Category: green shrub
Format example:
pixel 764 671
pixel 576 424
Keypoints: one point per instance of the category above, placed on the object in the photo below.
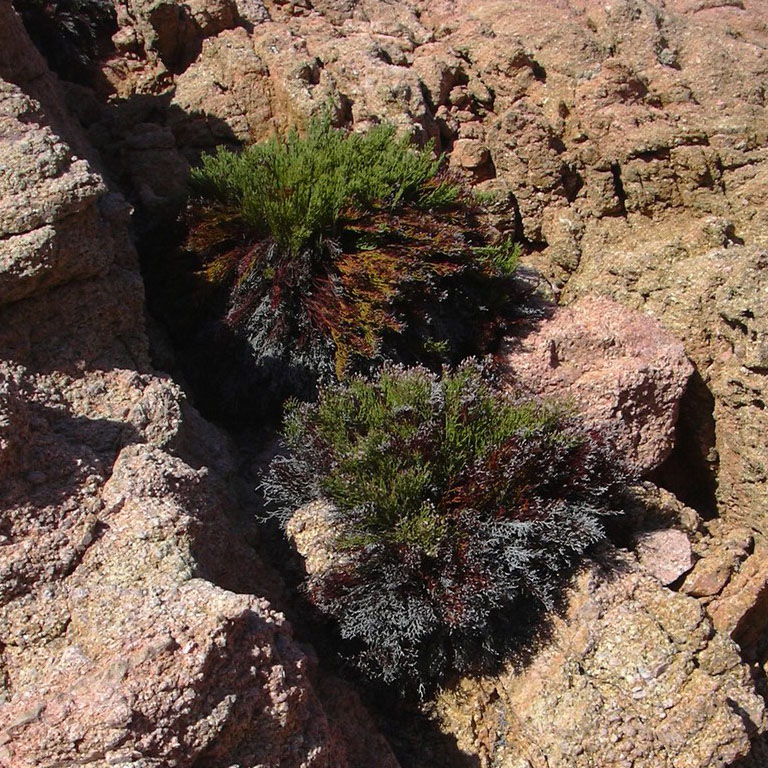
pixel 297 188
pixel 337 251
pixel 454 507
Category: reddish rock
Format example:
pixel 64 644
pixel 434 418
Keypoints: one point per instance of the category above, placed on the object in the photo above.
pixel 709 576
pixel 470 154
pixel 134 621
pixel 741 610
pixel 667 555
pixel 633 675
pixel 620 369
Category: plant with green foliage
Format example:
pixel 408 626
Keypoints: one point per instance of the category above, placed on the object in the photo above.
pixel 455 508
pixel 298 188
pixel 331 252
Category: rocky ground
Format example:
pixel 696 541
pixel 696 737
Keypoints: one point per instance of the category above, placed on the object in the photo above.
pixel 623 142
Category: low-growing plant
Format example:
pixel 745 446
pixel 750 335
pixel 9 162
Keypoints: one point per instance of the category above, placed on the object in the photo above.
pixel 297 188
pixel 454 506
pixel 336 251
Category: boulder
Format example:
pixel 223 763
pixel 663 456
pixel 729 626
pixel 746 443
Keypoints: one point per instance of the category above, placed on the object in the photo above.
pixel 618 368
pixel 666 554
pixel 632 674
pixel 715 303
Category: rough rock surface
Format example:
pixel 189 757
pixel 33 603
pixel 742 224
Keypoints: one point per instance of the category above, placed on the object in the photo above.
pixel 621 370
pixel 127 631
pixel 716 303
pixel 633 675
pixel 666 554
pixel 629 674
pixel 623 141
pixel 742 608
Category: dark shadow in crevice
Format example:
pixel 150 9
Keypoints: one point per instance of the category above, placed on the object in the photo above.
pixel 72 35
pixel 618 186
pixel 572 182
pixel 690 471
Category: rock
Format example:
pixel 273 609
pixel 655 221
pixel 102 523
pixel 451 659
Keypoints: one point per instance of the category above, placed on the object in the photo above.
pixel 666 555
pixel 135 623
pixel 470 155
pixel 649 508
pixel 439 68
pixel 312 532
pixel 143 632
pixel 14 424
pixel 242 104
pixel 714 303
pixel 721 553
pixel 633 674
pixel 358 741
pixel 169 30
pixel 620 369
pixel 252 11
pixel 213 16
pixel 629 142
pixel 741 611
pixel 709 576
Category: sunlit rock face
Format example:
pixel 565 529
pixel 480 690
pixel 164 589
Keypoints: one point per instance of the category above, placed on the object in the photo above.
pixel 131 623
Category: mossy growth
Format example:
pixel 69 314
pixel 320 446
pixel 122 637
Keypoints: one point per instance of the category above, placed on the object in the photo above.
pixel 331 252
pixel 455 509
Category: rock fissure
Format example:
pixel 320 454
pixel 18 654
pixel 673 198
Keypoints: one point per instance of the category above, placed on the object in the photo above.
pixel 582 142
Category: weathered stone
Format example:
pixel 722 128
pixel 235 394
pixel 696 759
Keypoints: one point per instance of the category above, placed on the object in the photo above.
pixel 620 369
pixel 312 532
pixel 715 303
pixel 741 610
pixel 650 507
pixel 709 575
pixel 168 30
pixel 127 624
pixel 242 104
pixel 213 16
pixel 629 141
pixel 666 555
pixel 470 154
pixel 613 686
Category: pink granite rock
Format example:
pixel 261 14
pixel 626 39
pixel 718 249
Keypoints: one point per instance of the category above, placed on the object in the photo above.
pixel 667 554
pixel 619 368
pixel 134 621
pixel 741 610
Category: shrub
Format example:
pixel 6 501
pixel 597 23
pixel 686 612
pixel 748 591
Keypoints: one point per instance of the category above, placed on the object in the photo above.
pixel 297 188
pixel 455 508
pixel 337 251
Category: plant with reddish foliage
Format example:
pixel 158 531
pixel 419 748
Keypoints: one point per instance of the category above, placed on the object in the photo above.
pixel 332 252
pixel 455 508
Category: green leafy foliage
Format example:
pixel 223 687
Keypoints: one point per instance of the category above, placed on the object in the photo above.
pixel 504 256
pixel 298 187
pixel 454 508
pixel 331 253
